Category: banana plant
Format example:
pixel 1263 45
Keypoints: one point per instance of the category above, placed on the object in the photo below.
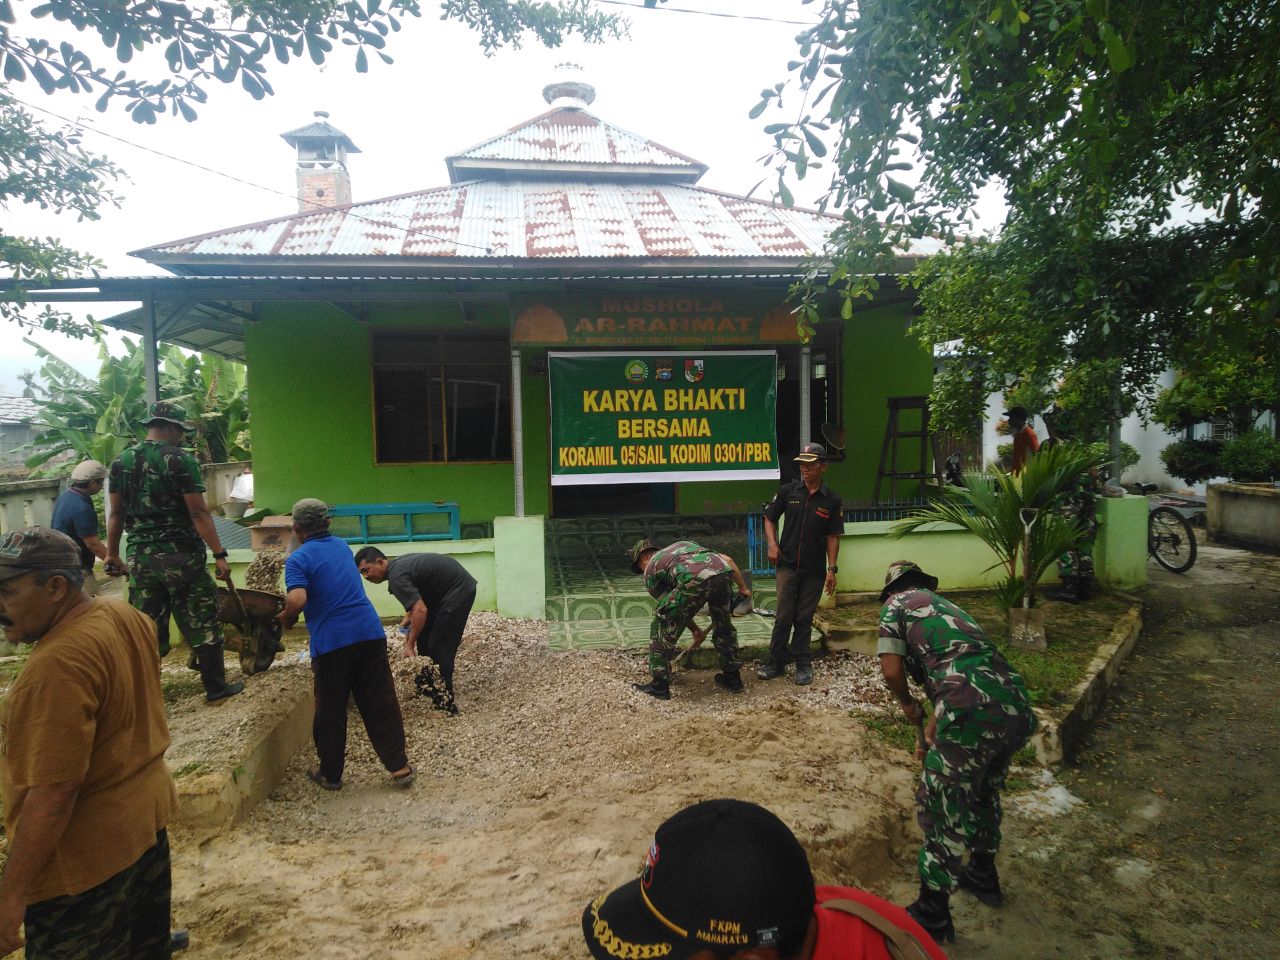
pixel 82 417
pixel 988 505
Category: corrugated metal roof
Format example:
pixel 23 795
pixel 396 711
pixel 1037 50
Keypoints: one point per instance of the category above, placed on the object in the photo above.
pixel 17 409
pixel 534 219
pixel 572 135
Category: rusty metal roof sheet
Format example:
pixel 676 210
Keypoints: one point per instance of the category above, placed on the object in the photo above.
pixel 530 219
pixel 571 140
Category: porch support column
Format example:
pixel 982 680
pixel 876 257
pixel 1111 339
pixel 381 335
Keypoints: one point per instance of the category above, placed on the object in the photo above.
pixel 517 431
pixel 152 372
pixel 805 374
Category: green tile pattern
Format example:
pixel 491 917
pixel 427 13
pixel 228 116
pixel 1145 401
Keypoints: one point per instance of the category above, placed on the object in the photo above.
pixel 594 601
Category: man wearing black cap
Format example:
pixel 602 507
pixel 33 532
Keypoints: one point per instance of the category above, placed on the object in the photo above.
pixel 157 494
pixel 805 556
pixel 727 879
pixel 981 717
pixel 87 795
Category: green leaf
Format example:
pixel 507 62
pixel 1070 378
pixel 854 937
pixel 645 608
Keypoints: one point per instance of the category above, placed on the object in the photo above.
pixel 784 194
pixel 900 191
pixel 758 109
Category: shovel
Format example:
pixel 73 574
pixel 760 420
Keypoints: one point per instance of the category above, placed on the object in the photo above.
pixel 1026 625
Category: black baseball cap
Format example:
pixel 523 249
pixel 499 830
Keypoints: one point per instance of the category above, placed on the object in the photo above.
pixel 723 875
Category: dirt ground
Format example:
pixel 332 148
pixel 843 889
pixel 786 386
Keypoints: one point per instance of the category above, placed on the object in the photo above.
pixel 547 787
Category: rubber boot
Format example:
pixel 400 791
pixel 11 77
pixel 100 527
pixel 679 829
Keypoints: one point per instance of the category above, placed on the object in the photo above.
pixel 1085 586
pixel 1069 592
pixel 213 674
pixel 981 879
pixel 658 687
pixel 730 680
pixel 932 910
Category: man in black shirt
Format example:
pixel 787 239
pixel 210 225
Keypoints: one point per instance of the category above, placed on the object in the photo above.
pixel 437 593
pixel 805 556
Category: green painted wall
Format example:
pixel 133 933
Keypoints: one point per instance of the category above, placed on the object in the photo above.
pixel 956 557
pixel 311 400
pixel 312 412
pixel 881 358
pixel 1120 554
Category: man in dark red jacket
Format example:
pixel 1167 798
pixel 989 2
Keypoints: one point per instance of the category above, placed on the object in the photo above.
pixel 727 880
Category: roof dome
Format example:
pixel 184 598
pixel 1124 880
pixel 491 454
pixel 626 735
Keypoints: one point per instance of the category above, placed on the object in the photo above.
pixel 567 89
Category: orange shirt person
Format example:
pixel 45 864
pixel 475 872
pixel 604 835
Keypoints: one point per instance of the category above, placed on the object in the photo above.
pixel 1025 441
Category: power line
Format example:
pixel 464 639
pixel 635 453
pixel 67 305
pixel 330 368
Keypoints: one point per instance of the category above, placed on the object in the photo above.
pixel 248 183
pixel 708 13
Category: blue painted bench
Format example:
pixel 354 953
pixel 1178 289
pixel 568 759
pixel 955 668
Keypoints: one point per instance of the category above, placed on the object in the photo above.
pixel 398 521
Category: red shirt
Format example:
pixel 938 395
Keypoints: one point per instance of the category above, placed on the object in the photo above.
pixel 1025 443
pixel 842 936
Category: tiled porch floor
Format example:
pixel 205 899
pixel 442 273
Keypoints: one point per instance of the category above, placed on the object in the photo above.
pixel 595 601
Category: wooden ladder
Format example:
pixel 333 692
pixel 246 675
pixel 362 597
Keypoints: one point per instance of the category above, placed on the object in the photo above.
pixel 893 432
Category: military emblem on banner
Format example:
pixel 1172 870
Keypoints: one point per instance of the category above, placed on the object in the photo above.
pixel 664 370
pixel 693 371
pixel 637 371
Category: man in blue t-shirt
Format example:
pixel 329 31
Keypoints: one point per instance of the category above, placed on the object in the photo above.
pixel 348 649
pixel 74 515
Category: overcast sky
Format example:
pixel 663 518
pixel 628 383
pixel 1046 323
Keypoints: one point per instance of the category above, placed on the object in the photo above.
pixel 684 80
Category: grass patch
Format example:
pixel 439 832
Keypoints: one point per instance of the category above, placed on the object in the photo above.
pixel 178 687
pixel 188 769
pixel 1074 632
pixel 894 729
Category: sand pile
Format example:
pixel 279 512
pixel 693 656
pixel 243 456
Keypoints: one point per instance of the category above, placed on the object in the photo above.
pixel 544 790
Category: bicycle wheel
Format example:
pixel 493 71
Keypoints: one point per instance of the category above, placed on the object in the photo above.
pixel 1171 540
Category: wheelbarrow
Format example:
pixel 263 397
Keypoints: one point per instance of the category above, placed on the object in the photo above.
pixel 253 614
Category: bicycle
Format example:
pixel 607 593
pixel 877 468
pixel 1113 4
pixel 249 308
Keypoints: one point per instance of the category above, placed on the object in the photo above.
pixel 1170 538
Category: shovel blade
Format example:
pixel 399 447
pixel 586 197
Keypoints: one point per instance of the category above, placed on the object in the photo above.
pixel 1026 629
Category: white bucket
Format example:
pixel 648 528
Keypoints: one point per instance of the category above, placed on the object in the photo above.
pixel 234 509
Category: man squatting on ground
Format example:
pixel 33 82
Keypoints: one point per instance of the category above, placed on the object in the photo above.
pixel 437 594
pixel 981 717
pixel 74 515
pixel 813 520
pixel 727 879
pixel 348 649
pixel 86 792
pixel 684 577
pixel 157 495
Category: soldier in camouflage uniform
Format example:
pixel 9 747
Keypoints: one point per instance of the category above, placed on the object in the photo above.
pixel 682 578
pixel 156 493
pixel 981 717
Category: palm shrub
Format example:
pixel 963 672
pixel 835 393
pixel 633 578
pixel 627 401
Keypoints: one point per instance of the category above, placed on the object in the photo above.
pixel 989 506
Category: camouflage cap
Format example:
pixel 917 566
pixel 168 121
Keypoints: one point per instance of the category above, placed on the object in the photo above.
pixel 36 548
pixel 310 512
pixel 905 568
pixel 168 412
pixel 88 471
pixel 637 551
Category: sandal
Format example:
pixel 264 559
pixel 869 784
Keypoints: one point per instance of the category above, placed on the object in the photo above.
pixel 316 777
pixel 403 780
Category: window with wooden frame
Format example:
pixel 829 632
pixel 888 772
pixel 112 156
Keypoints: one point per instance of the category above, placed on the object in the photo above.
pixel 441 396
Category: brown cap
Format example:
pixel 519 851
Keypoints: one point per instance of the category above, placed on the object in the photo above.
pixel 36 548
pixel 310 512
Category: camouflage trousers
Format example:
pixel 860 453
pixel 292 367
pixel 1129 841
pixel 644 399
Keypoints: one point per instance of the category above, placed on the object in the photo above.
pixel 1077 562
pixel 716 593
pixel 123 918
pixel 958 798
pixel 176 584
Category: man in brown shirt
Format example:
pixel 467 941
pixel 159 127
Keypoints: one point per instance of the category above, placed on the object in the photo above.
pixel 85 789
